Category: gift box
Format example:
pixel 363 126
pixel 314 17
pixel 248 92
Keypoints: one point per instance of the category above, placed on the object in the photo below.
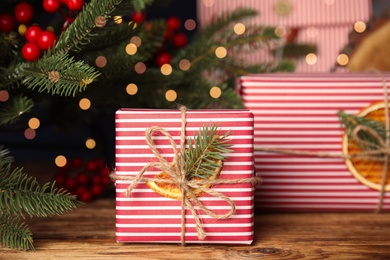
pixel 298 113
pixel 325 23
pixel 146 216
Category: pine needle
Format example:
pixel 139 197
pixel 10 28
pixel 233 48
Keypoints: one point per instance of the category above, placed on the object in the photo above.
pixel 204 150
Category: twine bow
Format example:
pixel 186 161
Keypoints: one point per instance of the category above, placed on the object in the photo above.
pixel 382 148
pixel 178 177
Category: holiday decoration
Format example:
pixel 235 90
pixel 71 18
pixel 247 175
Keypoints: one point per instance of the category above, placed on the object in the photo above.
pixel 87 180
pixel 22 196
pixel 155 148
pixel 323 23
pixel 301 151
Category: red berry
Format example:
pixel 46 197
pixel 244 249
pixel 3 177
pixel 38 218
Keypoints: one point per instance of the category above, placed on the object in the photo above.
pixel 91 166
pixel 97 190
pixel 75 5
pixel 97 179
pixel 7 23
pixel 100 163
pixel 138 17
pixel 23 12
pixel 31 51
pixel 71 183
pixel 106 180
pixel 32 33
pixel 163 58
pixel 180 40
pixel 82 178
pixel 104 172
pixel 51 6
pixel 77 162
pixel 60 180
pixel 173 23
pixel 85 196
pixel 46 40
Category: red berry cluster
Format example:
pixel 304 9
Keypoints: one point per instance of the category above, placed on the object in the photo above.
pixel 86 179
pixel 52 6
pixel 37 40
pixel 23 13
pixel 173 38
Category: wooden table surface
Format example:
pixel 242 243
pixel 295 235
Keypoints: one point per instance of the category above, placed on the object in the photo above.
pixel 89 233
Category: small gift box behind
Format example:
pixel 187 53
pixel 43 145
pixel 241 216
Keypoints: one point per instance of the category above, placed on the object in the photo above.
pixel 299 113
pixel 145 216
pixel 325 23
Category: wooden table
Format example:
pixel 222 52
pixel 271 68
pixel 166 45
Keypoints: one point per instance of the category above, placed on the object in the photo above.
pixel 89 233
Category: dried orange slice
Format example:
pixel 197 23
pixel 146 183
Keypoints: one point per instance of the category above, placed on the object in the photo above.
pixel 171 190
pixel 369 172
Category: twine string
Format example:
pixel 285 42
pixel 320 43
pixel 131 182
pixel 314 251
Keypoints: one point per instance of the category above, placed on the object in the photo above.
pixel 176 171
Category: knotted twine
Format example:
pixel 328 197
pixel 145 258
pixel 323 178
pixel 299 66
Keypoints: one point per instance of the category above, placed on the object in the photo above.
pixel 178 177
pixel 381 149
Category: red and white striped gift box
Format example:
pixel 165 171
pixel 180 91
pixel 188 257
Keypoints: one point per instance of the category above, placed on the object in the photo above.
pixel 325 23
pixel 299 112
pixel 145 216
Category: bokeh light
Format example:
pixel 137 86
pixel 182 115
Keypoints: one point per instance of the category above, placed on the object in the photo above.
pixel 360 26
pixel 311 59
pixel 140 67
pixel 29 133
pixel 90 143
pixel 85 103
pixel 239 28
pixel 34 123
pixel 171 95
pixel 342 59
pixel 166 69
pixel 131 89
pixel 215 92
pixel 131 49
pixel 60 161
pixel 4 95
pixel 184 64
pixel 221 52
pixel 190 24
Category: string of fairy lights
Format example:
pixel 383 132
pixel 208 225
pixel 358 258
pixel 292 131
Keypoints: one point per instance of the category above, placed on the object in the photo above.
pixel 166 69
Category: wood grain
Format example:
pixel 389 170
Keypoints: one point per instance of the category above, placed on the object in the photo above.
pixel 89 233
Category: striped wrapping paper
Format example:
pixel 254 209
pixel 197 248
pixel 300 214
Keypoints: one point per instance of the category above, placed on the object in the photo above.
pixel 299 112
pixel 145 216
pixel 325 23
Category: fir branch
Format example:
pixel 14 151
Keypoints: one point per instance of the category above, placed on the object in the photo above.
pixel 369 141
pixel 4 157
pixel 69 76
pixel 78 35
pixel 11 111
pixel 14 233
pixel 22 194
pixel 204 151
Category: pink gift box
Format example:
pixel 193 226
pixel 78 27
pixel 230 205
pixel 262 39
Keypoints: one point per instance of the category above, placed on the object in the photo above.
pixel 299 112
pixel 145 216
pixel 325 23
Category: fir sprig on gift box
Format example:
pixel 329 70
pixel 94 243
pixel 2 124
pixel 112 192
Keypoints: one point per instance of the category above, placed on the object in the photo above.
pixel 21 195
pixel 206 152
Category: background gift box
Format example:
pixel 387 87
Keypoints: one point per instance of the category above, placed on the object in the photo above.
pixel 299 112
pixel 325 23
pixel 145 216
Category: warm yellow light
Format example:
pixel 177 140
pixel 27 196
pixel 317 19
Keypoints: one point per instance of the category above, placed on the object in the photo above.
pixel 166 69
pixel 360 26
pixel 311 59
pixel 190 24
pixel 136 40
pixel 29 133
pixel 131 49
pixel 50 28
pixel 342 59
pixel 85 103
pixel 215 92
pixel 221 52
pixel 131 89
pixel 280 31
pixel 22 29
pixel 171 95
pixel 184 64
pixel 34 123
pixel 140 68
pixel 90 143
pixel 60 161
pixel 239 28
